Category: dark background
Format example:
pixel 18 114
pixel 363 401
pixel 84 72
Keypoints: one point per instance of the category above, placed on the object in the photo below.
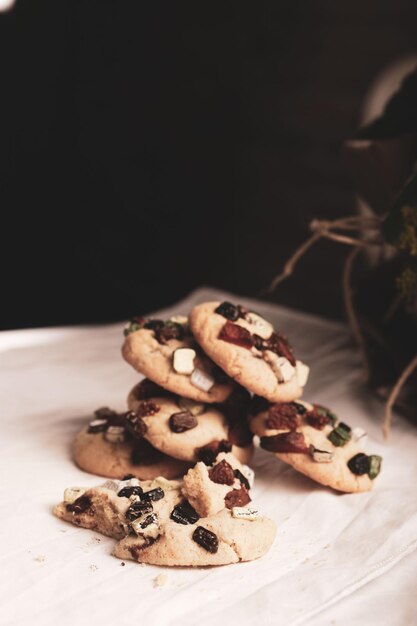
pixel 148 148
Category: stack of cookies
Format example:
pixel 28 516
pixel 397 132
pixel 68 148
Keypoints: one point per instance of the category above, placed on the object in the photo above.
pixel 213 381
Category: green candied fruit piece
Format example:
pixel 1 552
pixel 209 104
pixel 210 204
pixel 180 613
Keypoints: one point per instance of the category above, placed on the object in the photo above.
pixel 132 328
pixel 374 466
pixel 321 410
pixel 340 435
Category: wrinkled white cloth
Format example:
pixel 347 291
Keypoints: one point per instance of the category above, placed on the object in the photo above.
pixel 328 545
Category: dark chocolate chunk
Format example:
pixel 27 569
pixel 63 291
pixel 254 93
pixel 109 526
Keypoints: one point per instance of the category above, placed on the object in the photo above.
pixel 182 421
pixel 359 464
pixel 104 413
pixel 243 480
pixel 206 539
pixel 150 519
pixel 127 492
pixel 228 310
pixel 222 473
pixel 137 509
pixel 153 324
pixel 153 494
pixel 170 330
pixel 301 409
pixel 184 513
pixel 80 505
pixel 237 497
pixel 135 425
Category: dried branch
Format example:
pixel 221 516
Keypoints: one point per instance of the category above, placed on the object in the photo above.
pixel 395 391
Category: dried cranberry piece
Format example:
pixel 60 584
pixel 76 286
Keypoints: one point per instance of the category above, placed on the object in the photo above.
pixel 208 453
pixel 147 409
pixel 182 421
pixel 258 405
pixel 148 389
pixel 228 310
pixel 279 344
pixel 285 442
pixel 135 425
pixel 283 416
pixel 80 505
pixel 241 478
pixel 237 497
pixel 316 419
pixel 239 434
pixel 232 333
pixel 184 513
pixel 222 473
pixel 137 509
pixel 206 539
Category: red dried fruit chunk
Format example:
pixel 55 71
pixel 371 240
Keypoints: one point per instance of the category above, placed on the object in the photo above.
pixel 279 344
pixel 146 409
pixel 316 419
pixel 208 453
pixel 222 473
pixel 237 335
pixel 283 416
pixel 148 389
pixel 237 497
pixel 285 442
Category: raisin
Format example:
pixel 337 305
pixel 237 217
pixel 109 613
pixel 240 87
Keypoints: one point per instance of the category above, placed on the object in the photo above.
pixel 80 505
pixel 170 330
pixel 285 442
pixel 359 464
pixel 278 343
pixel 137 509
pixel 208 453
pixel 153 494
pixel 228 310
pixel 241 478
pixel 239 434
pixel 146 409
pixel 127 492
pixel 222 473
pixel 282 416
pixel 237 497
pixel 182 421
pixel 258 405
pixel 258 342
pixel 135 424
pixel 148 389
pixel 206 539
pixel 184 513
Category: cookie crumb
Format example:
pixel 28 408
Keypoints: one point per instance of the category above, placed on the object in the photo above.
pixel 93 568
pixel 122 564
pixel 41 558
pixel 160 580
pixel 327 546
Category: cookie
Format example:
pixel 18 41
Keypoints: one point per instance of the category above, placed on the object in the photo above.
pixel 249 350
pixel 181 428
pixel 106 448
pixel 223 483
pixel 167 353
pixel 154 524
pixel 313 441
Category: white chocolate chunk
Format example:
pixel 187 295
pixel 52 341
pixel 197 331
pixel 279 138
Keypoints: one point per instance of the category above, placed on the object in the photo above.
pixel 259 326
pixel 201 380
pixel 115 434
pixel 321 456
pixel 72 493
pixel 359 434
pixel 244 512
pixel 302 370
pixel 179 319
pixel 183 360
pixel 281 366
pixel 165 484
pixel 98 422
pixel 146 525
pixel 249 474
pixel 130 482
pixel 195 408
